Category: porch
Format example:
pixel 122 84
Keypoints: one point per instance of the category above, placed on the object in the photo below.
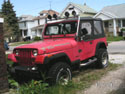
pixel 37 31
pixel 113 27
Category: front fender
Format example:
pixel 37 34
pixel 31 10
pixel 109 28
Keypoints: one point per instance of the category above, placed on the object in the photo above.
pixel 12 58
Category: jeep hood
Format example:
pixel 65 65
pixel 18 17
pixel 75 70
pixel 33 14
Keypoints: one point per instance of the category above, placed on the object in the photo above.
pixel 49 46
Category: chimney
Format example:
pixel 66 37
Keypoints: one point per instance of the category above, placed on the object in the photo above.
pixel 84 4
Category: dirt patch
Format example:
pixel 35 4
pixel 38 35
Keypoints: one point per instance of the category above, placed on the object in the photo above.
pixel 117 58
pixel 111 82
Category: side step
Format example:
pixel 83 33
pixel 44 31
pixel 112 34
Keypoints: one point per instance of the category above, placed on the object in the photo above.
pixel 89 62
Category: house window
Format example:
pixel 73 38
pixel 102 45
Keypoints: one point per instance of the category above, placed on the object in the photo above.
pixel 38 22
pixel 106 24
pixel 123 21
pixel 41 14
pixel 25 32
pixel 119 23
pixel 24 24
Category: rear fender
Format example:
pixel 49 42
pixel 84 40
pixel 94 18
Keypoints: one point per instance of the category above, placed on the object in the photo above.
pixel 100 45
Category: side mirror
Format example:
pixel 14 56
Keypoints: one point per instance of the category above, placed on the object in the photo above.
pixel 84 32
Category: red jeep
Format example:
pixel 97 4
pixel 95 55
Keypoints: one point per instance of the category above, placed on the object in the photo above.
pixel 68 44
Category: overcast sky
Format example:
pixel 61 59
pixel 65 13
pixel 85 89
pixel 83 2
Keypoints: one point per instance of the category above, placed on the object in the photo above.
pixel 33 7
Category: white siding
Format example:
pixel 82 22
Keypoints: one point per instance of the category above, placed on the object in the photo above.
pixel 42 21
pixel 1 20
pixel 30 25
pixel 35 23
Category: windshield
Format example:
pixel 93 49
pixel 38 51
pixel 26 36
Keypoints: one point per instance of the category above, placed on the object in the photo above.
pixel 61 28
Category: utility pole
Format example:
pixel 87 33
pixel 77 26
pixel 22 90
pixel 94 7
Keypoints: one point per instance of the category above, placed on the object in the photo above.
pixel 3 67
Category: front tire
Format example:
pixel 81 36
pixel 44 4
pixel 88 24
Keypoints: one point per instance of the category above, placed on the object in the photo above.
pixel 102 58
pixel 60 73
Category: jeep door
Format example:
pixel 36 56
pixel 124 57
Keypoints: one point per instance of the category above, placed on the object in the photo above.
pixel 86 43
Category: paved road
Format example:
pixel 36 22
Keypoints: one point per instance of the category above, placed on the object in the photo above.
pixel 10 49
pixel 116 47
pixel 116 52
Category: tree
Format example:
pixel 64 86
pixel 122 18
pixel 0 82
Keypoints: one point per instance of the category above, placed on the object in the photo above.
pixel 3 66
pixel 11 27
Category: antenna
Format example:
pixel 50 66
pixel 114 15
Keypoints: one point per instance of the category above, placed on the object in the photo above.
pixel 50 2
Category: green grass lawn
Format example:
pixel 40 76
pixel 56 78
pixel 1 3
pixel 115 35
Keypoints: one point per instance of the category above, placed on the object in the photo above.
pixel 22 42
pixel 114 38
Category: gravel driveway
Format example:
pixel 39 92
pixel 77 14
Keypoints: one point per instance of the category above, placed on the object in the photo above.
pixel 111 82
pixel 116 52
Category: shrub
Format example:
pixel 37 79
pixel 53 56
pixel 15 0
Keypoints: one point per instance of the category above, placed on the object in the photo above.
pixel 38 87
pixel 34 87
pixel 13 83
pixel 37 38
pixel 123 29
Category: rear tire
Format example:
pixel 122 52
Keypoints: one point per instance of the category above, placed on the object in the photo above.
pixel 60 73
pixel 102 58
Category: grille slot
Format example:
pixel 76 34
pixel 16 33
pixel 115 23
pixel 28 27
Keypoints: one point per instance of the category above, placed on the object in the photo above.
pixel 24 57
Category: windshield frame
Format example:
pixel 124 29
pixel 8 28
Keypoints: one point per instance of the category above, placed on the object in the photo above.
pixel 59 35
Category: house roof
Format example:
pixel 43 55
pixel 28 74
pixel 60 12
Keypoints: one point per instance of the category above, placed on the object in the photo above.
pixel 26 18
pixel 115 11
pixel 50 12
pixel 39 17
pixel 38 27
pixel 84 8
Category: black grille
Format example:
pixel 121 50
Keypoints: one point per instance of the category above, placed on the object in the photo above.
pixel 25 57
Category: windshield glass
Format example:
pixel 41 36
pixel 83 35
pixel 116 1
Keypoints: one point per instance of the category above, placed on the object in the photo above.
pixel 61 28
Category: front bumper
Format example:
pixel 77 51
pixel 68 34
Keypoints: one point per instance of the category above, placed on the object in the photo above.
pixel 25 71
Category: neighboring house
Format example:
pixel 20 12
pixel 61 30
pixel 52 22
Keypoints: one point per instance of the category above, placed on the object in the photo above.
pixel 113 18
pixel 26 22
pixel 38 26
pixel 40 21
pixel 82 10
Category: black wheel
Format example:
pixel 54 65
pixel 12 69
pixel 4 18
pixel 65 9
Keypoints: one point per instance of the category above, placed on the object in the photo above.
pixel 60 73
pixel 102 58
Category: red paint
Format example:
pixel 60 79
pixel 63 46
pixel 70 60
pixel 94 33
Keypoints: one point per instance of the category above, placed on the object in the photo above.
pixel 12 58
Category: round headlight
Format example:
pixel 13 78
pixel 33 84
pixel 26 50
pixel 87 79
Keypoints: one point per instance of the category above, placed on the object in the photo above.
pixel 17 52
pixel 35 52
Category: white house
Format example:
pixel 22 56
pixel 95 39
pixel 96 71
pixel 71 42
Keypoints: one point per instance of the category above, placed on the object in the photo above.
pixel 31 26
pixel 113 18
pixel 82 10
pixel 26 22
